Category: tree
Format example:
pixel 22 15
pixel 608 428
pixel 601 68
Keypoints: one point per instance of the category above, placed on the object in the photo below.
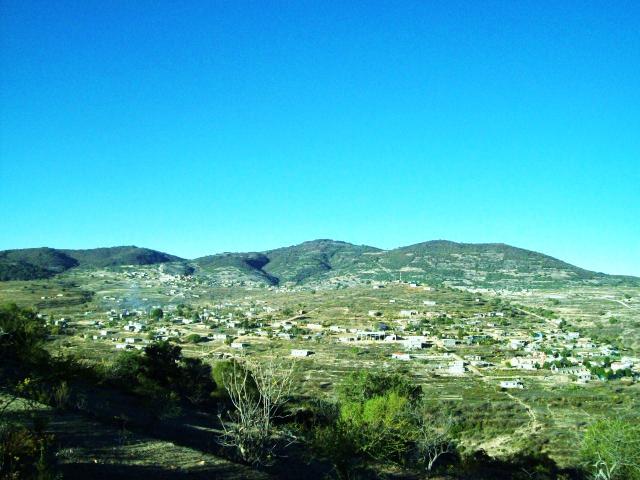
pixel 611 449
pixel 156 313
pixel 22 334
pixel 433 437
pixel 257 392
pixel 373 422
pixel 380 426
pixel 363 385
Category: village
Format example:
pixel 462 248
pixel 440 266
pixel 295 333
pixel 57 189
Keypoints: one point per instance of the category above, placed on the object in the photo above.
pixel 421 326
pixel 511 362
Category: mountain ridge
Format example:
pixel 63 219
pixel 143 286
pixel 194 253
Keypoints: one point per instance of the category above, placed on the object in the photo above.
pixel 325 260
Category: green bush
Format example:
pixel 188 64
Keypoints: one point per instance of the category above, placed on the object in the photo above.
pixel 611 449
pixel 22 335
pixel 363 385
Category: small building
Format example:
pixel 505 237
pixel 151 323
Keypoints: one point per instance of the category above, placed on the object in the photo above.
pixel 301 353
pixel 622 365
pixel 370 335
pixel 511 384
pixel 457 367
pixel 449 342
pixel 516 343
pixel 401 356
pixel 348 339
pixel 239 345
pixel 219 337
pixel 415 343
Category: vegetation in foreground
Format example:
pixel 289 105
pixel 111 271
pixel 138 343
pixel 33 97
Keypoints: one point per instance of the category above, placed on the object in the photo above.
pixel 381 424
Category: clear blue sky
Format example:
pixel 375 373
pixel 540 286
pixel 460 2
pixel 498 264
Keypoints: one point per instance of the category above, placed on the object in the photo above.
pixel 200 127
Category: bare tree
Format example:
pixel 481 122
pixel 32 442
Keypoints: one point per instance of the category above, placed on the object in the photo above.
pixel 257 392
pixel 433 437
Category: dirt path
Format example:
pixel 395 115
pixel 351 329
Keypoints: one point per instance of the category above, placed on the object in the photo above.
pixel 502 443
pixel 620 302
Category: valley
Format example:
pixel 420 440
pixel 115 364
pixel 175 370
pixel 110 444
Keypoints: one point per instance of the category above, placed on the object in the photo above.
pixel 520 368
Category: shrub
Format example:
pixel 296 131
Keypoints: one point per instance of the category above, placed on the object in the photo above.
pixel 611 449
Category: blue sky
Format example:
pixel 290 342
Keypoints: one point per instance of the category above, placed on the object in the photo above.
pixel 196 128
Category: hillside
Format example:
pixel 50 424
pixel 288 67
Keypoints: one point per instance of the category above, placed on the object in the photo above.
pixel 317 259
pixel 491 265
pixel 35 263
pixel 246 265
pixel 319 262
pixel 114 256
pixel 488 263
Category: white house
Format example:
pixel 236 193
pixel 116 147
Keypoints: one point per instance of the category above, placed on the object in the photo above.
pixel 300 353
pixel 615 366
pixel 371 335
pixel 456 367
pixel 511 384
pixel 516 343
pixel 415 342
pixel 527 363
pixel 401 356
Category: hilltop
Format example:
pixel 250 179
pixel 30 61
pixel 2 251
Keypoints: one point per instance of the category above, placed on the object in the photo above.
pixel 325 261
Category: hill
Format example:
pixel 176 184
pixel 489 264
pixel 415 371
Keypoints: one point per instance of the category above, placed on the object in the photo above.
pixel 32 263
pixel 491 265
pixel 322 262
pixel 483 263
pixel 35 263
pixel 114 256
pixel 317 259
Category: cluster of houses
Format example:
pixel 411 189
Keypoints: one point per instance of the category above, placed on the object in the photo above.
pixel 409 330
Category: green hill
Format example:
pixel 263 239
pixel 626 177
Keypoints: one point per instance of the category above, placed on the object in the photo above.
pixel 248 265
pixel 481 263
pixel 114 256
pixel 313 260
pixel 491 265
pixel 316 259
pixel 35 263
